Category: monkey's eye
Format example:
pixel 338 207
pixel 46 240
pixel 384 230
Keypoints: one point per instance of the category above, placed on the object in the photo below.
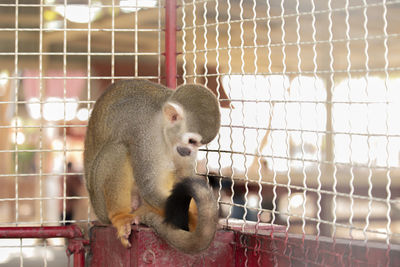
pixel 193 141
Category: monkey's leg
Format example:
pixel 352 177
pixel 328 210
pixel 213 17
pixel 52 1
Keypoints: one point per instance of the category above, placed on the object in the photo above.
pixel 115 170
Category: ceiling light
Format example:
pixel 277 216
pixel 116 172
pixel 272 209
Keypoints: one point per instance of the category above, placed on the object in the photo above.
pixel 128 6
pixel 78 13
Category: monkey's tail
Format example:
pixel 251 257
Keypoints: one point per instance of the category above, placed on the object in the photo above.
pixel 174 227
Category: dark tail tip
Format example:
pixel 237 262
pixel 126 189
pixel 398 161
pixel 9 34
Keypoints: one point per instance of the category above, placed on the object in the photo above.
pixel 177 205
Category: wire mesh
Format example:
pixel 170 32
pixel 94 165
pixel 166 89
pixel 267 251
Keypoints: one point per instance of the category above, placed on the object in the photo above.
pixel 57 57
pixel 309 91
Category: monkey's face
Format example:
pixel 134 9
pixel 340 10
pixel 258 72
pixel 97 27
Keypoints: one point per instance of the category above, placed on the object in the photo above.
pixel 182 143
pixel 183 147
pixel 185 153
pixel 188 145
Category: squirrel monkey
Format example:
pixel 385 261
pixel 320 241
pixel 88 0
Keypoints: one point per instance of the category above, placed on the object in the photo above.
pixel 142 138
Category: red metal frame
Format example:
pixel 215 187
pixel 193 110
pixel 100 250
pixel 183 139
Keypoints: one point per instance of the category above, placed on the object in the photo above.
pixel 76 241
pixel 170 43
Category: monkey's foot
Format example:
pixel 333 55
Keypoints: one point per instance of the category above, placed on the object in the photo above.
pixel 122 223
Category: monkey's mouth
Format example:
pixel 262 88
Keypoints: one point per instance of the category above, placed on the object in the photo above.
pixel 183 151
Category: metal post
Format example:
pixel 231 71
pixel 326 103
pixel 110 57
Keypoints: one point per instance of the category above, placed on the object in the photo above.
pixel 327 201
pixel 76 247
pixel 170 43
pixel 79 259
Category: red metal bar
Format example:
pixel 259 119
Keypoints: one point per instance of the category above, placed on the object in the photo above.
pixel 70 231
pixel 76 243
pixel 170 43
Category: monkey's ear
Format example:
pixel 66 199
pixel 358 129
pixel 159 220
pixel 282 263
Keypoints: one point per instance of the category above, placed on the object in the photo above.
pixel 172 112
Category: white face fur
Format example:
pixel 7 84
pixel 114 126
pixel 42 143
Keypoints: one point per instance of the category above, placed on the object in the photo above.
pixel 184 144
pixel 185 154
pixel 189 145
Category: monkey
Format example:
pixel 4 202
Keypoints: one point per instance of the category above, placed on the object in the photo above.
pixel 142 138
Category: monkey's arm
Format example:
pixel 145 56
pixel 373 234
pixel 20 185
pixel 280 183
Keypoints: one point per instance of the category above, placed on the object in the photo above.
pixel 153 177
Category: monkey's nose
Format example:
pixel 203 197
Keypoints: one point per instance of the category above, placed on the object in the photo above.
pixel 183 151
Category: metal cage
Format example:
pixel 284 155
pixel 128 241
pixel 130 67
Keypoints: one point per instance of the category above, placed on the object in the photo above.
pixel 305 166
